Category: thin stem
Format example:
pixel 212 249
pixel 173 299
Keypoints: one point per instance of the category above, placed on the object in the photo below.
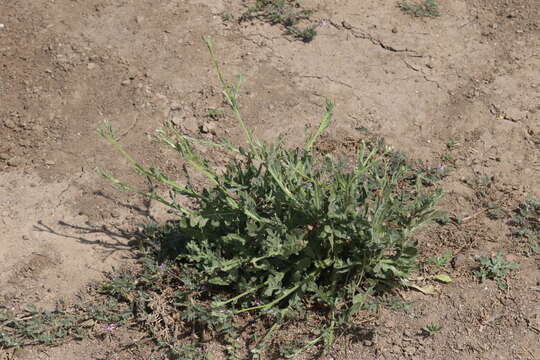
pixel 223 303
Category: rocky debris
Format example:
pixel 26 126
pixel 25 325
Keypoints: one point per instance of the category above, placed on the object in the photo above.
pixel 514 114
pixel 208 128
pixel 15 161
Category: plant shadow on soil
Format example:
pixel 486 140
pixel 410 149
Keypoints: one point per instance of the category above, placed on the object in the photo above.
pixel 117 236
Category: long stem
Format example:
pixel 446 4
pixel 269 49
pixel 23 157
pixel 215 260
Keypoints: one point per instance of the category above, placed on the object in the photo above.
pixel 223 303
pixel 273 302
pixel 261 344
pixel 231 97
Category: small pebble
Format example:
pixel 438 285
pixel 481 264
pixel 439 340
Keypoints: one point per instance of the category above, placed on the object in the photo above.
pixel 50 162
pixel 208 128
pixel 4 156
pixel 14 162
pixel 92 66
pixel 10 124
pixel 177 120
pixel 175 106
pixel 346 25
pixel 126 82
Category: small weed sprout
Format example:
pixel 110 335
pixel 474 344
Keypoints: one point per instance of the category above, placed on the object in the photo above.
pixel 431 329
pixel 427 8
pixel 443 219
pixel 216 113
pixel 447 158
pixel 451 144
pixel 442 260
pixel 226 17
pixel 282 228
pixel 284 12
pixel 526 223
pixel 527 219
pixel 306 35
pixel 495 268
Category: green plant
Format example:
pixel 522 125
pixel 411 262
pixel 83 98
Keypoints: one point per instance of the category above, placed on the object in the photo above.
pixel 431 174
pixel 442 260
pixel 495 268
pixel 443 219
pixel 287 13
pixel 216 113
pixel 527 219
pixel 447 158
pixel 36 326
pixel 306 35
pixel 431 329
pixel 226 17
pixel 451 144
pixel 526 223
pixel 427 8
pixel 494 212
pixel 282 230
pixel 481 185
pixel 397 304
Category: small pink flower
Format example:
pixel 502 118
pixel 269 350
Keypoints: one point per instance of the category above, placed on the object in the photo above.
pixel 440 168
pixel 324 22
pixel 110 327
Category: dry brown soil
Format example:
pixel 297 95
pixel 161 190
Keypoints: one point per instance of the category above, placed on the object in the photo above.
pixel 471 75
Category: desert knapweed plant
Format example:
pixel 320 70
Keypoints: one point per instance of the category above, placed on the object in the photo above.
pixel 283 230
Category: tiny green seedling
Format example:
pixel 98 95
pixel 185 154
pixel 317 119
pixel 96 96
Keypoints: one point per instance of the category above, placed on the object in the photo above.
pixel 526 223
pixel 443 218
pixel 226 17
pixel 447 158
pixel 216 113
pixel 306 35
pixel 431 329
pixel 442 260
pixel 527 219
pixel 427 8
pixel 495 268
pixel 451 144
